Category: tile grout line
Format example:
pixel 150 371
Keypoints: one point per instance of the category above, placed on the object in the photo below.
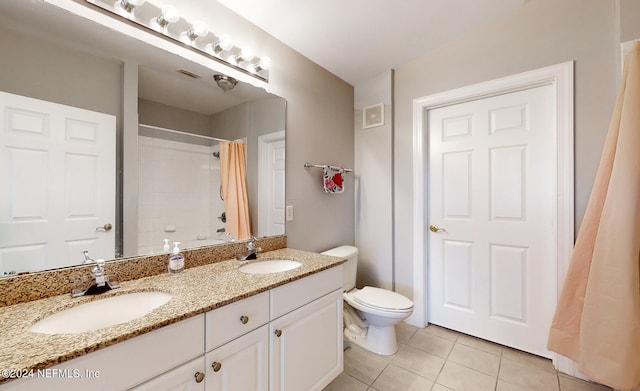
pixel 499 368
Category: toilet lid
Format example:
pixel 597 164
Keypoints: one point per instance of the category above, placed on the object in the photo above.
pixel 382 298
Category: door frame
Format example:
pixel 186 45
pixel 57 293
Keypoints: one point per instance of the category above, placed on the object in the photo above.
pixel 560 77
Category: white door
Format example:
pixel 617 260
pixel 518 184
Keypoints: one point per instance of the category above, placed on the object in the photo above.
pixel 57 166
pixel 491 197
pixel 271 214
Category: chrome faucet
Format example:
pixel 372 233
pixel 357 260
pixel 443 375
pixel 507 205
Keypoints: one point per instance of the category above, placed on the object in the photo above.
pixel 100 280
pixel 251 252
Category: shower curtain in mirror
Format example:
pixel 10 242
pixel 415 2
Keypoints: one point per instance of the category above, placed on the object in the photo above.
pixel 597 321
pixel 234 189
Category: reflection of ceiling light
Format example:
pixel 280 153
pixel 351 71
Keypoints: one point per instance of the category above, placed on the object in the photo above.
pixel 245 55
pixel 224 43
pixel 263 64
pixel 169 14
pixel 198 29
pixel 226 83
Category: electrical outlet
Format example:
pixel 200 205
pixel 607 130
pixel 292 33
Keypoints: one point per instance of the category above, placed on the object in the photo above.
pixel 289 213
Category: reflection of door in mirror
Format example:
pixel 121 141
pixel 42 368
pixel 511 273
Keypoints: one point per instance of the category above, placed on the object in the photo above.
pixel 58 165
pixel 271 189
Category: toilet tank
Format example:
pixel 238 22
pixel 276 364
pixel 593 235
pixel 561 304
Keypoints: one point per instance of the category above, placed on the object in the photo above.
pixel 350 267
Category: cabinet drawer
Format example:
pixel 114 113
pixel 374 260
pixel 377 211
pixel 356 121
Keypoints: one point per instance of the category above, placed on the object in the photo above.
pixel 287 298
pixel 185 377
pixel 231 321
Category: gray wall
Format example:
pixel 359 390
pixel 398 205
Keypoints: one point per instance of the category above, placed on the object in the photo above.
pixel 37 69
pixel 373 154
pixel 541 33
pixel 629 23
pixel 319 130
pixel 169 117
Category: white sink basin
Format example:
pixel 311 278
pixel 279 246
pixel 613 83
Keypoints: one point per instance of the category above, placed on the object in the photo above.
pixel 101 313
pixel 269 266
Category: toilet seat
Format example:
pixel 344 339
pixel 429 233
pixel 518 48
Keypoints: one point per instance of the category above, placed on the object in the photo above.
pixel 380 301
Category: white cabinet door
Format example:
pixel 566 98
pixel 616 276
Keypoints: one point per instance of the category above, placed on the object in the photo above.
pixel 187 377
pixel 306 345
pixel 241 364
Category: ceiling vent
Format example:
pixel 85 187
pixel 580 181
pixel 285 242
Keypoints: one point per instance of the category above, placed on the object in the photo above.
pixel 188 73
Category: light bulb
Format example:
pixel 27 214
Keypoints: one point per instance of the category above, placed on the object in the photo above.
pixel 170 13
pixel 265 62
pixel 232 59
pixel 126 6
pixel 199 29
pixel 225 42
pixel 246 54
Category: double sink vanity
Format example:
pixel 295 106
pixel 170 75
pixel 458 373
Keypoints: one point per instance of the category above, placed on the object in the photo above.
pixel 274 323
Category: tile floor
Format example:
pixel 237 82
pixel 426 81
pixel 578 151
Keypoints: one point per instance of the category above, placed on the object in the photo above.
pixel 438 359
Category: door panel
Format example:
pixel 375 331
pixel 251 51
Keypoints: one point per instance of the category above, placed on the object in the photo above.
pixel 58 165
pixel 491 189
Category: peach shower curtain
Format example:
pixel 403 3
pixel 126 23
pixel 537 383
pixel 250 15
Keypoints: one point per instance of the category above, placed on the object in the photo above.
pixel 234 189
pixel 597 321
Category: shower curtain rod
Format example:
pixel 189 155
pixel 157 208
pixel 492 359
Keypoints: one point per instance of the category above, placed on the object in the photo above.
pixel 307 165
pixel 183 133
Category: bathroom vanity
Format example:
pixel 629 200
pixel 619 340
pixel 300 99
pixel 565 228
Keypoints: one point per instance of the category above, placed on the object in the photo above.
pixel 222 330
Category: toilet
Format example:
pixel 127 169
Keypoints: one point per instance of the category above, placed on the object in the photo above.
pixel 370 314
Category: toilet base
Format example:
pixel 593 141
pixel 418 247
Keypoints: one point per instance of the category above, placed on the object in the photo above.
pixel 377 339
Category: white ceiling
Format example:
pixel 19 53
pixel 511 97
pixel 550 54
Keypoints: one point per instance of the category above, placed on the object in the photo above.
pixel 358 39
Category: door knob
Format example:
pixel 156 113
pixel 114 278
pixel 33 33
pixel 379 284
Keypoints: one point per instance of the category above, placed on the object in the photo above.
pixel 435 228
pixel 106 227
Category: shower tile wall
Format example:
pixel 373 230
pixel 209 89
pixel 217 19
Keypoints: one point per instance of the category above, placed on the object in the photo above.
pixel 178 189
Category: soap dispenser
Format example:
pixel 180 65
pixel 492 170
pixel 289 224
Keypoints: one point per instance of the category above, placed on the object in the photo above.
pixel 176 260
pixel 166 248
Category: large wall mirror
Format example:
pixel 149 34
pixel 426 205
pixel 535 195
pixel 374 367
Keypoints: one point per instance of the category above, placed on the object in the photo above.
pixel 69 79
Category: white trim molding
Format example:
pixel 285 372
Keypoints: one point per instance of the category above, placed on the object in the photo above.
pixel 561 78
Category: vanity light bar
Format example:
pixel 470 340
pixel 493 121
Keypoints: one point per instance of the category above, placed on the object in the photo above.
pixel 167 22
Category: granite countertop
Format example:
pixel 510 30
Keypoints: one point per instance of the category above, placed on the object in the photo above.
pixel 195 291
